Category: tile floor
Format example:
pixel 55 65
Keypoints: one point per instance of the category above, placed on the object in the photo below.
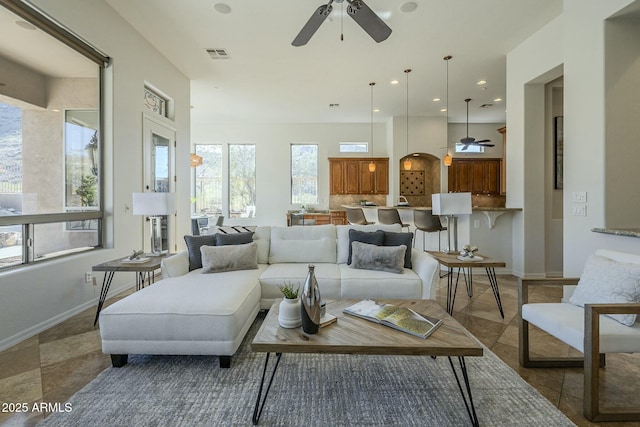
pixel 55 364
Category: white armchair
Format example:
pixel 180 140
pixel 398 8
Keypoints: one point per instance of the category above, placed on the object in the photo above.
pixel 588 329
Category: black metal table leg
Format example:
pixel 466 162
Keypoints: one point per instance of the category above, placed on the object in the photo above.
pixel 257 411
pixel 467 398
pixel 451 290
pixel 468 282
pixel 493 280
pixel 106 283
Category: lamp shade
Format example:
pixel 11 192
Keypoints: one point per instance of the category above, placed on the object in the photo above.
pixel 154 204
pixel 451 203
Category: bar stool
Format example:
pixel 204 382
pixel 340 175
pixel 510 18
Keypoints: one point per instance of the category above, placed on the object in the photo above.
pixel 390 216
pixel 426 222
pixel 356 216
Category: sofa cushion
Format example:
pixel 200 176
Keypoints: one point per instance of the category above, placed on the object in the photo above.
pixel 397 239
pixel 604 280
pixel 566 322
pixel 216 259
pixel 342 234
pixel 359 284
pixel 166 315
pixel 234 238
pixel 303 244
pixel 327 275
pixel 371 237
pixel 262 237
pixel 193 247
pixel 381 258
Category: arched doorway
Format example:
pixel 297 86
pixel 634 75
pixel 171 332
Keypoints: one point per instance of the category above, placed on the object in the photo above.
pixel 421 180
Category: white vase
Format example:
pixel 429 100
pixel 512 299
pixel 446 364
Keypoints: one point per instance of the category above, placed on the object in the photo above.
pixel 289 314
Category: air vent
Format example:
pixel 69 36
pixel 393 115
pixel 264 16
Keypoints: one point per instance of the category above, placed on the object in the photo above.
pixel 218 53
pixel 486 105
pixel 334 105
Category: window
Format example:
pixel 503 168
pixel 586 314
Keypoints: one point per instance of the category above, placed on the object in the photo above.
pixel 470 149
pixel 207 192
pixel 50 144
pixel 304 174
pixel 154 102
pixel 354 147
pixel 242 181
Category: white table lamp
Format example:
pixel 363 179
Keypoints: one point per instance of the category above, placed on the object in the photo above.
pixel 451 205
pixel 154 206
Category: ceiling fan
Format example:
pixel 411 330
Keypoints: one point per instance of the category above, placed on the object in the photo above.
pixel 357 9
pixel 467 141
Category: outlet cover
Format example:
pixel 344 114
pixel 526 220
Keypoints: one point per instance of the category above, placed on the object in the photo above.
pixel 579 210
pixel 579 197
pixel 476 223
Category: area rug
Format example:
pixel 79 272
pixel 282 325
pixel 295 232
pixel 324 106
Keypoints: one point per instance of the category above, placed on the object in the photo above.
pixel 309 390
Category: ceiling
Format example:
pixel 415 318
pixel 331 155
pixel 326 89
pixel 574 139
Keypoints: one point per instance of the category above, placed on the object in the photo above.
pixel 266 80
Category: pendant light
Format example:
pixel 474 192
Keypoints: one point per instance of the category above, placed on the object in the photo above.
pixel 407 161
pixel 448 160
pixel 372 164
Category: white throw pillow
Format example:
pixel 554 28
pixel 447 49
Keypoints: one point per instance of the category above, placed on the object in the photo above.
pixel 607 281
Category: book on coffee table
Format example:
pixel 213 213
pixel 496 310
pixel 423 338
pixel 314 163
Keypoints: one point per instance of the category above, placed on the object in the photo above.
pixel 401 318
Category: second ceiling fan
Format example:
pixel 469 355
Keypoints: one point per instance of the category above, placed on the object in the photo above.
pixel 467 141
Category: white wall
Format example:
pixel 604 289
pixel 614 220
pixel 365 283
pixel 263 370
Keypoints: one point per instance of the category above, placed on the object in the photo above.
pixel 33 299
pixel 273 158
pixel 572 44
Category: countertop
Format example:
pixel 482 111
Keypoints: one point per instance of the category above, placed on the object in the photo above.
pixel 629 232
pixel 474 208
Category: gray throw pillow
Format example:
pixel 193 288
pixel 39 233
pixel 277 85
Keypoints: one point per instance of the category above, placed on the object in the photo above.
pixel 397 239
pixel 381 258
pixel 193 247
pixel 233 238
pixel 371 237
pixel 216 259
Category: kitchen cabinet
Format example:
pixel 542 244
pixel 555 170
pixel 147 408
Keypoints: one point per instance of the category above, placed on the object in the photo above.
pixel 350 175
pixel 477 176
pixel 339 217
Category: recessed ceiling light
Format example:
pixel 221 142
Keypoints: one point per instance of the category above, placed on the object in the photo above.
pixel 375 110
pixel 497 100
pixel 436 99
pixel 408 7
pixel 25 25
pixel 442 110
pixel 222 8
pixel 482 82
pixel 394 82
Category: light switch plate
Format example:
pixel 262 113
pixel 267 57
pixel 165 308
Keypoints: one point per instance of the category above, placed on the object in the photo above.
pixel 579 197
pixel 579 210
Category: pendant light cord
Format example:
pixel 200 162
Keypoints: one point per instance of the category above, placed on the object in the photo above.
pixel 407 71
pixel 372 84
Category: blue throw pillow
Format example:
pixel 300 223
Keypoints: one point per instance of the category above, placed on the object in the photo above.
pixel 373 238
pixel 397 239
pixel 193 247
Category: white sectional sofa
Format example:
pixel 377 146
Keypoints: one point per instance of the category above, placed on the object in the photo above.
pixel 188 312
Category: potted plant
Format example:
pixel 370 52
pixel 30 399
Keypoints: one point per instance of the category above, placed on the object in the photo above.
pixel 289 314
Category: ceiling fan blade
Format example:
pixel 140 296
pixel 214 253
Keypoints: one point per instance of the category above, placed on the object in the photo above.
pixel 467 140
pixel 312 24
pixel 465 147
pixel 483 140
pixel 368 20
pixel 485 144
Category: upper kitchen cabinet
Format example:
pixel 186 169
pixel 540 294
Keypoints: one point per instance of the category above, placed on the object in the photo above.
pixel 349 175
pixel 477 176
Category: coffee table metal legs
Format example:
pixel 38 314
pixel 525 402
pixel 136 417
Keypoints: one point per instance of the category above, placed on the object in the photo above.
pixel 466 391
pixel 106 282
pixel 257 411
pixel 468 280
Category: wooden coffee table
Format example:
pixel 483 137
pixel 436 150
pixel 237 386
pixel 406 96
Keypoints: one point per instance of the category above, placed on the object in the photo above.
pixel 451 261
pixel 353 335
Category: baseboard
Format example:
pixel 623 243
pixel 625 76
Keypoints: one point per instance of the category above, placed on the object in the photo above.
pixel 49 323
